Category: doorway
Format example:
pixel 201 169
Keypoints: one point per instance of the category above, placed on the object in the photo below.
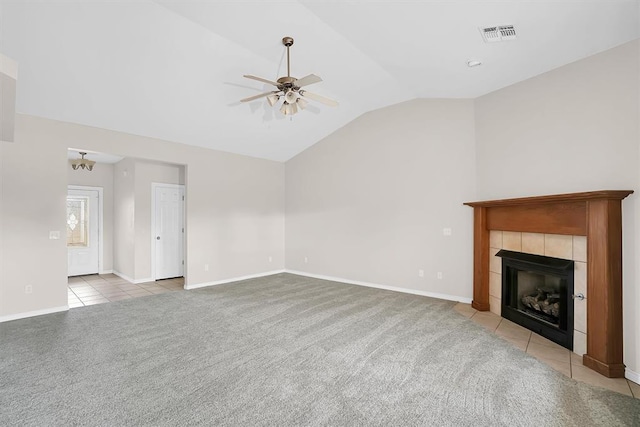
pixel 168 230
pixel 84 230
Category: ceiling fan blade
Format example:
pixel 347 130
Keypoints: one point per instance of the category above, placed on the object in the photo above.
pixel 260 79
pixel 307 80
pixel 262 95
pixel 325 101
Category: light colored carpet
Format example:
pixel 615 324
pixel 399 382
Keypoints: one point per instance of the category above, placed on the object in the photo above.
pixel 283 350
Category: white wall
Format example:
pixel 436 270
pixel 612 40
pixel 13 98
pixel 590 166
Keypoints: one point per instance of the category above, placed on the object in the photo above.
pixel 572 129
pixel 33 175
pixel 124 218
pixel 134 178
pixel 100 176
pixel 235 209
pixel 147 173
pixel 8 85
pixel 369 202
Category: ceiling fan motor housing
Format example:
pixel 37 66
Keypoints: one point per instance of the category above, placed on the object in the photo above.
pixel 287 41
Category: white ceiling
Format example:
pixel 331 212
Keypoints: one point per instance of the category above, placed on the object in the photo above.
pixel 73 153
pixel 173 69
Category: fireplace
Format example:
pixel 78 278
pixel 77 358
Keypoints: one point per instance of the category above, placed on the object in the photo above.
pixel 537 293
pixel 594 214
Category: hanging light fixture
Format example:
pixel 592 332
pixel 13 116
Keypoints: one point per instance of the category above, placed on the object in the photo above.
pixel 82 163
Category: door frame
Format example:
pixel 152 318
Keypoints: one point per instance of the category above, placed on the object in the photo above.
pixel 100 191
pixel 154 186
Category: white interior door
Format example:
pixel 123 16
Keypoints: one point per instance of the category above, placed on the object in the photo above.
pixel 169 231
pixel 83 236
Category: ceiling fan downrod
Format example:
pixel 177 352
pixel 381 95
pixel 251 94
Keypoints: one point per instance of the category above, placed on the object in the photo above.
pixel 288 42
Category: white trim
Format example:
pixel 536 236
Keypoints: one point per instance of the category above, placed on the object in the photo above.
pixel 154 186
pixel 34 313
pixel 234 279
pixel 106 272
pixel 385 287
pixel 9 67
pixel 123 276
pixel 131 279
pixel 100 191
pixel 632 376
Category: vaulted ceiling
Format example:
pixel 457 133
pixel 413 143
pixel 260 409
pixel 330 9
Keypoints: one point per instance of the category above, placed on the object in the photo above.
pixel 173 69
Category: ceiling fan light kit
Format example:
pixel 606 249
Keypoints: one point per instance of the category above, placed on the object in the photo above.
pixel 289 88
pixel 273 98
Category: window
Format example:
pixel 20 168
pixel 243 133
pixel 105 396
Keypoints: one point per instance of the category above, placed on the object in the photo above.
pixel 77 221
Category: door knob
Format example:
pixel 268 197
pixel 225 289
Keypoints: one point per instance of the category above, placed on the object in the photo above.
pixel 158 238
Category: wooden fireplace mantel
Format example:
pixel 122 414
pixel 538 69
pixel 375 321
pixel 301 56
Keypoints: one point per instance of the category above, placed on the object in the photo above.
pixel 595 214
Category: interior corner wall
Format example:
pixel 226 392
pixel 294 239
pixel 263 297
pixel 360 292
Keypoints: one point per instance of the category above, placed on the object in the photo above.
pixel 369 202
pixel 235 210
pixel 572 129
pixel 100 176
pixel 124 218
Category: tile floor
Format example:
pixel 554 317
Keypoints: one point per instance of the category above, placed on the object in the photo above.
pixel 554 355
pixel 98 289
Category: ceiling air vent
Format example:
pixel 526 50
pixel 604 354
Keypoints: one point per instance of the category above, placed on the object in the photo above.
pixel 498 33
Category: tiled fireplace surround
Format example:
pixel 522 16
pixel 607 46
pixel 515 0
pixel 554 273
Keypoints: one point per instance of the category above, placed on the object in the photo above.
pixel 551 245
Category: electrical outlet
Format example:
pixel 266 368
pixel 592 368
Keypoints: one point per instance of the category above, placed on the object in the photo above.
pixel 206 267
pixel 439 275
pixel 28 289
pixel 420 273
pixel 446 231
pixel 54 235
pixel 306 260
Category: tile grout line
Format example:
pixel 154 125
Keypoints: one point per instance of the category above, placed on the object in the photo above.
pixel 629 390
pixel 99 284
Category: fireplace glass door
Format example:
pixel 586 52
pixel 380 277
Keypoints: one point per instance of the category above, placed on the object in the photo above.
pixel 537 294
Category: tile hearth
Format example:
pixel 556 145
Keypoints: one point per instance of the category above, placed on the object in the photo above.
pixel 548 352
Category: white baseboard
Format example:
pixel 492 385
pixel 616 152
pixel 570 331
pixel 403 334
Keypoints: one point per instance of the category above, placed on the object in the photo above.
pixel 234 279
pixel 24 315
pixel 632 376
pixel 106 272
pixel 123 276
pixel 131 279
pixel 385 287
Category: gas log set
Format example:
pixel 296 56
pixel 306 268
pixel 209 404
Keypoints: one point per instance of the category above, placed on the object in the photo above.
pixel 546 302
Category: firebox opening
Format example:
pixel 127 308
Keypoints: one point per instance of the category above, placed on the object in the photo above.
pixel 537 294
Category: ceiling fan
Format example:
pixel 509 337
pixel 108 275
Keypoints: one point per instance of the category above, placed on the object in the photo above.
pixel 290 89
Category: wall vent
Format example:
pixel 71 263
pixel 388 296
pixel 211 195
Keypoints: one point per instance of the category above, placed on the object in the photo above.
pixel 498 33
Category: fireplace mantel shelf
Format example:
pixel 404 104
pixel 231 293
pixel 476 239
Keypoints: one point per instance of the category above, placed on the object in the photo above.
pixel 595 214
pixel 555 198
